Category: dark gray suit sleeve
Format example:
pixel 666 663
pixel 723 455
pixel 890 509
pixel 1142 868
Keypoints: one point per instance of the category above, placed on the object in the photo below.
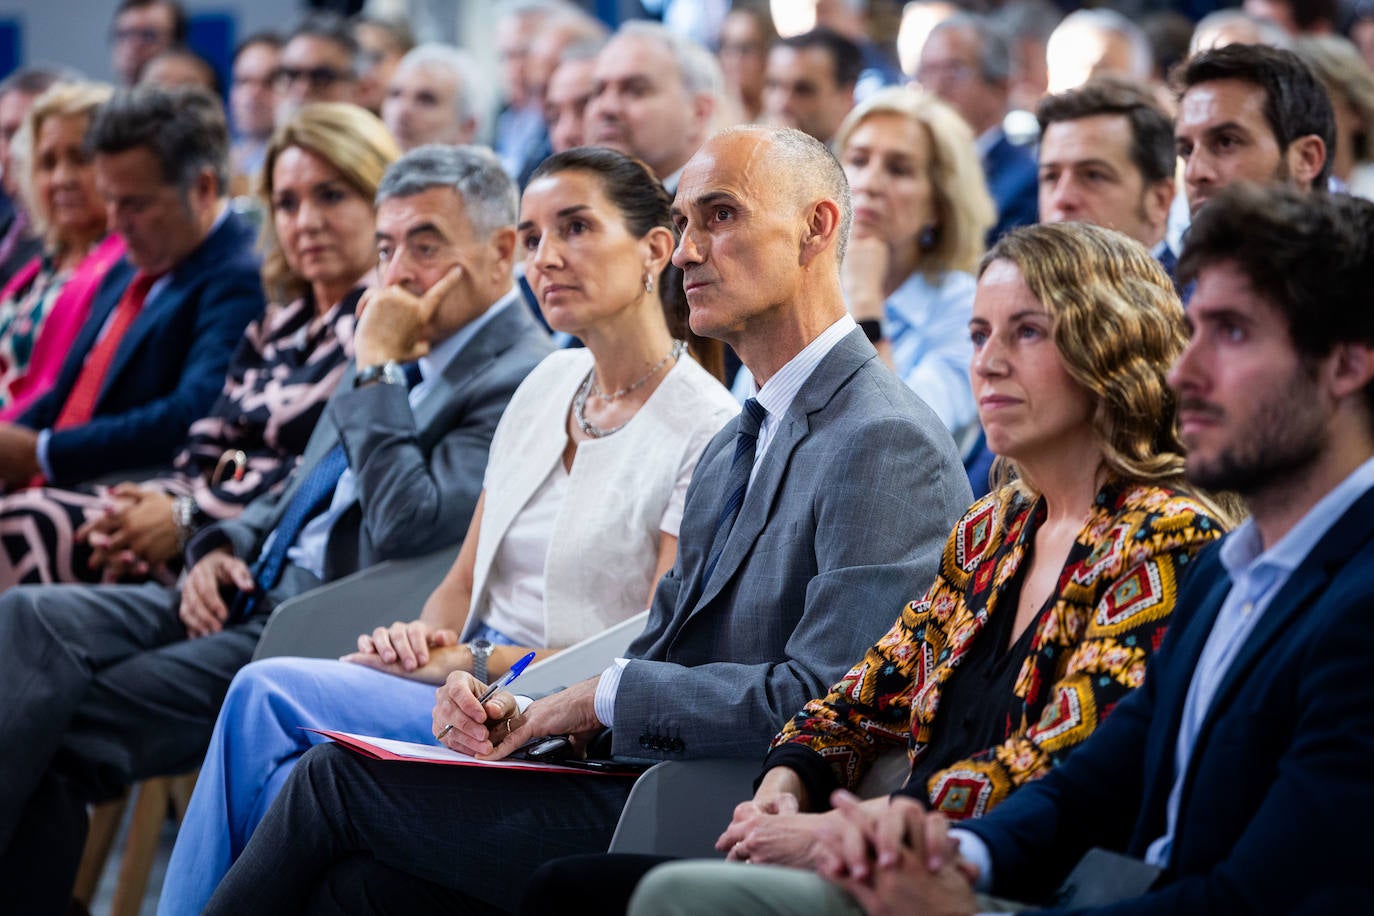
pixel 413 501
pixel 879 512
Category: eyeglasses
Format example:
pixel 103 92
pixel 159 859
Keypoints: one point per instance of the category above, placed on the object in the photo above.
pixel 319 78
pixel 139 36
pixel 944 72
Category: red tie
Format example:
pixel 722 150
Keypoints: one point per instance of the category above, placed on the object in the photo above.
pixel 80 405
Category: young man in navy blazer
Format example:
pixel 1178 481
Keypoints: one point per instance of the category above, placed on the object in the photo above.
pixel 1240 769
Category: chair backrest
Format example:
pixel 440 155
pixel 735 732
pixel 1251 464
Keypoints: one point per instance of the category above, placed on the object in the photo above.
pixel 679 807
pixel 325 622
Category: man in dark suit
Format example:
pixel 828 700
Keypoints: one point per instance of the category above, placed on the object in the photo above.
pixel 808 520
pixel 151 357
pixel 1240 768
pixel 106 685
pixel 1107 158
pixel 967 63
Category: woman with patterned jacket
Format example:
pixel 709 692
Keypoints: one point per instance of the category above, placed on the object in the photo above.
pixel 1053 590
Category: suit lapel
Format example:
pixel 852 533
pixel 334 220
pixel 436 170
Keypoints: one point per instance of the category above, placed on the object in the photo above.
pixel 836 368
pixel 179 283
pixel 1302 590
pixel 1172 689
pixel 474 358
pixel 758 504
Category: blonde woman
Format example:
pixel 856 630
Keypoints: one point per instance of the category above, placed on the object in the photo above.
pixel 921 210
pixel 47 300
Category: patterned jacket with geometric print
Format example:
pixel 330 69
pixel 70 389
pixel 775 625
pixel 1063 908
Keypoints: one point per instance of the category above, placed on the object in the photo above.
pixel 1089 649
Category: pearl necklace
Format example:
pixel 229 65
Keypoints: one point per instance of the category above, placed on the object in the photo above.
pixel 589 388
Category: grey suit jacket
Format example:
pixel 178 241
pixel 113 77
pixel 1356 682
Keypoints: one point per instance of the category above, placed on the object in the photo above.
pixel 842 525
pixel 419 471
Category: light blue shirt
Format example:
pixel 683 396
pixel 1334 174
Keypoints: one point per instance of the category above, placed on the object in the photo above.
pixel 926 325
pixel 308 551
pixel 1256 577
pixel 776 395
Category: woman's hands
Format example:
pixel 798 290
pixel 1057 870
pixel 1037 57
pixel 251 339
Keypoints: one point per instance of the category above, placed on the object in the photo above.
pixel 412 649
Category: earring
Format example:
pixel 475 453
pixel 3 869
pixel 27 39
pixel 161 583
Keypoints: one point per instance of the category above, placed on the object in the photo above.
pixel 927 238
pixel 648 283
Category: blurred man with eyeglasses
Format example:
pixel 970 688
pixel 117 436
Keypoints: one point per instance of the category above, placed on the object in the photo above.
pixel 967 63
pixel 142 30
pixel 319 63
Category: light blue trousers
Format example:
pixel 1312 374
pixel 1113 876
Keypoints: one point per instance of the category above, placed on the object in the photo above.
pixel 257 739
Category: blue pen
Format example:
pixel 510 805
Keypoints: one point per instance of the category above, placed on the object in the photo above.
pixel 502 681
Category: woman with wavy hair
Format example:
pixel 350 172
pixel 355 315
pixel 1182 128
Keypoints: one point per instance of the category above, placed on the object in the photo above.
pixel 1052 591
pixel 321 172
pixel 921 210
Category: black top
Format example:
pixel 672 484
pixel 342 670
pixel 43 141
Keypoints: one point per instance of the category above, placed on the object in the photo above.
pixel 974 713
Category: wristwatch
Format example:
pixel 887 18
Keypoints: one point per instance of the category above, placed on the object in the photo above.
pixel 388 373
pixel 185 515
pixel 481 651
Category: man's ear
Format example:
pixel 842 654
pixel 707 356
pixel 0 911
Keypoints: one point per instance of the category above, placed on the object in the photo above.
pixel 703 112
pixel 822 230
pixel 1305 156
pixel 503 243
pixel 1159 197
pixel 1350 369
pixel 205 188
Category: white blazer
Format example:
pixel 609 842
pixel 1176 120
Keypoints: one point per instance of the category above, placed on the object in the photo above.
pixel 603 552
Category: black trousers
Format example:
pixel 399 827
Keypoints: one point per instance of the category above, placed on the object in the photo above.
pixel 600 884
pixel 101 688
pixel 475 833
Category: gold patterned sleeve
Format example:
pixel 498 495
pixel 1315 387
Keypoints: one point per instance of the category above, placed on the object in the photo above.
pixel 869 710
pixel 1103 655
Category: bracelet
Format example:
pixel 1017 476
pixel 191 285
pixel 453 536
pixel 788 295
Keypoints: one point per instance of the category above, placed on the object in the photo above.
pixel 872 328
pixel 184 511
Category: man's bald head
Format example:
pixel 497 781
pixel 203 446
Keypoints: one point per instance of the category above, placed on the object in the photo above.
pixel 802 169
pixel 764 214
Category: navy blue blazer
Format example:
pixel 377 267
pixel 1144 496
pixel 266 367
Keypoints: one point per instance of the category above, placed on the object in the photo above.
pixel 169 367
pixel 1278 797
pixel 1014 182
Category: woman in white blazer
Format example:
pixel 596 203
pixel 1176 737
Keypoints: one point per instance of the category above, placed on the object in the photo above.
pixel 578 519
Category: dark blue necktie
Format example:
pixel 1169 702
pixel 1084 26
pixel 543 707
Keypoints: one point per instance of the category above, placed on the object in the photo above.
pixel 746 442
pixel 308 501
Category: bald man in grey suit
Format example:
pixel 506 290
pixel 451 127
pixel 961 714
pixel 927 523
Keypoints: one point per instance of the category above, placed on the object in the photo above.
pixel 809 522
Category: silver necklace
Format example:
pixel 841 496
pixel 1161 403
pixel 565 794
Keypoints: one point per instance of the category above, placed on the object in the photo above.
pixel 589 387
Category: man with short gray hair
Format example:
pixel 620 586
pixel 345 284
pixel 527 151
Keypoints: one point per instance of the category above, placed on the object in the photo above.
pixel 436 95
pixel 655 97
pixel 966 61
pixel 105 685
